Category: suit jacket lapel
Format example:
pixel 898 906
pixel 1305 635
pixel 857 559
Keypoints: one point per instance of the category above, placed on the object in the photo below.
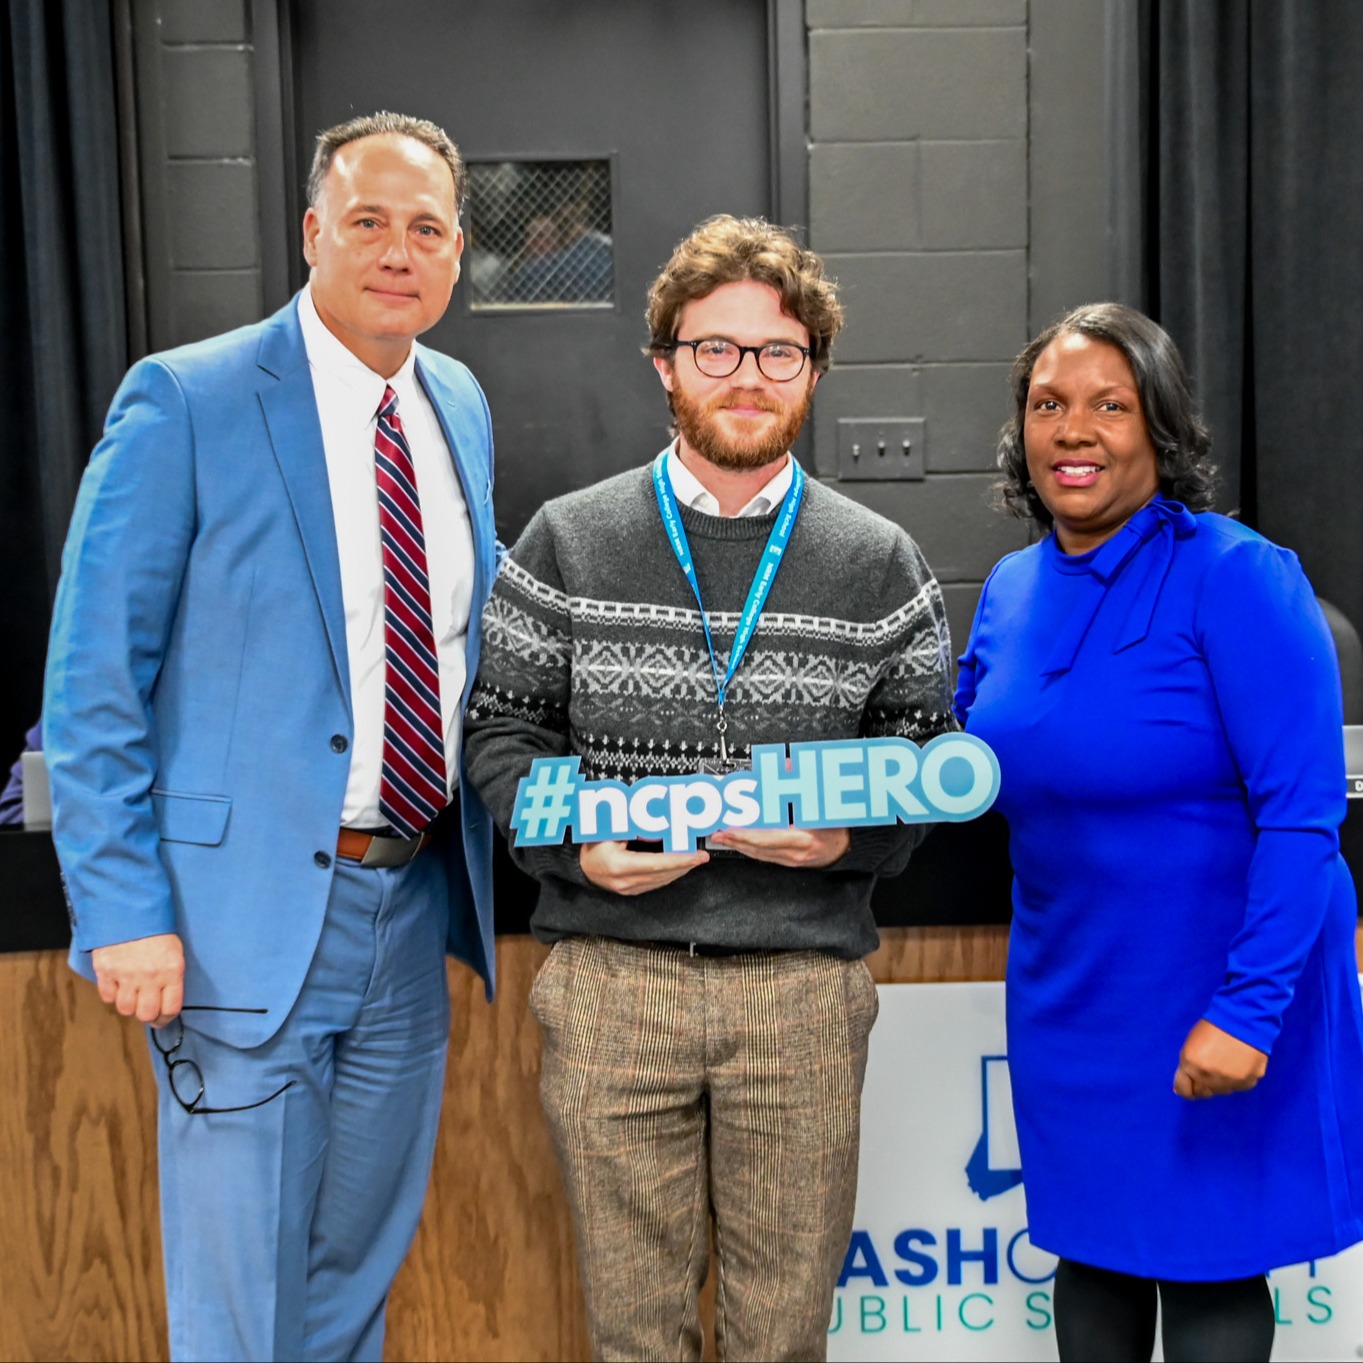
pixel 473 478
pixel 290 407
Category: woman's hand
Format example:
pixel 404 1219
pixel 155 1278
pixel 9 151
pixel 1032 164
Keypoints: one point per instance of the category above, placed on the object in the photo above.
pixel 1213 1062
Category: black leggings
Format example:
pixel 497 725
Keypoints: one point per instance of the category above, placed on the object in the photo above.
pixel 1106 1317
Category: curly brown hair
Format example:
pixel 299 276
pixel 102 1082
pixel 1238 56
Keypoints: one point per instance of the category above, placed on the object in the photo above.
pixel 729 250
pixel 1182 443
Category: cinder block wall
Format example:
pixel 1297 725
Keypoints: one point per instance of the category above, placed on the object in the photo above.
pixel 198 174
pixel 918 201
pixel 933 124
pixel 961 185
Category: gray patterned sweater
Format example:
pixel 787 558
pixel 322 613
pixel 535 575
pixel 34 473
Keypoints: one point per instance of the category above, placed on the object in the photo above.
pixel 592 644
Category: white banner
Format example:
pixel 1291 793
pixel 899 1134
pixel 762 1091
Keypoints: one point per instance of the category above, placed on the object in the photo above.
pixel 940 1266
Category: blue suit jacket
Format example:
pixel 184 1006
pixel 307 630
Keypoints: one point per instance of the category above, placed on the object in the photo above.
pixel 197 681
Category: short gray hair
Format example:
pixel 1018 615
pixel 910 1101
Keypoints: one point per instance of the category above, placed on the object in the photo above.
pixel 375 125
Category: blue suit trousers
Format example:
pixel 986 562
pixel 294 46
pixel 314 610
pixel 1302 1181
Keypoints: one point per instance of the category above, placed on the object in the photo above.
pixel 285 1225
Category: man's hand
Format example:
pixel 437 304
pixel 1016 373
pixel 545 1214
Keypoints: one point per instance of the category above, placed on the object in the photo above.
pixel 810 847
pixel 612 866
pixel 143 978
pixel 1213 1062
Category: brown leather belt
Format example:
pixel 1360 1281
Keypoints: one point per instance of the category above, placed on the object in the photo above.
pixel 378 849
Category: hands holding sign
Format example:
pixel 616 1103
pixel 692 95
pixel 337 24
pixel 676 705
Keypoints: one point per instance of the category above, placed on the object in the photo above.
pixel 613 866
pixel 774 813
pixel 807 847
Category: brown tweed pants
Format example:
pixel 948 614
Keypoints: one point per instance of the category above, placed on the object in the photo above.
pixel 678 1087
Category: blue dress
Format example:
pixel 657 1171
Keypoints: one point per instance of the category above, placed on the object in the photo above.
pixel 1166 714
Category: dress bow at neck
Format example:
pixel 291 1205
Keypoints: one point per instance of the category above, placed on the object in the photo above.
pixel 1143 551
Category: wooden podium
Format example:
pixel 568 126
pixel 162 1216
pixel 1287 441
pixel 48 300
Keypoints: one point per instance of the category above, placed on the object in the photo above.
pixel 491 1275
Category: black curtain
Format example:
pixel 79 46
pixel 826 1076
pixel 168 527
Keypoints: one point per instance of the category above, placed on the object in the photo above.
pixel 1253 113
pixel 63 333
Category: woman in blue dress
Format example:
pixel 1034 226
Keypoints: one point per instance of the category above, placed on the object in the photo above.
pixel 1184 1030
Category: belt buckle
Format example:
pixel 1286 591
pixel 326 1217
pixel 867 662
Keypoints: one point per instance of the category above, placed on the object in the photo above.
pixel 380 850
pixel 393 852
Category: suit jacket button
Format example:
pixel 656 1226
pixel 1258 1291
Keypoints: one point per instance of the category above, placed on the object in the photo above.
pixel 338 743
pixel 321 859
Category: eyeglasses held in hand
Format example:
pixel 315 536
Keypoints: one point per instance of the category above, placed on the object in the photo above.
pixel 186 1078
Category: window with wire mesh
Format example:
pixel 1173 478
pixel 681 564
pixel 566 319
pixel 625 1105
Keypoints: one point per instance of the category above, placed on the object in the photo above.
pixel 538 235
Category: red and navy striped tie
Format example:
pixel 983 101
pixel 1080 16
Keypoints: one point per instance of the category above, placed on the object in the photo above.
pixel 412 790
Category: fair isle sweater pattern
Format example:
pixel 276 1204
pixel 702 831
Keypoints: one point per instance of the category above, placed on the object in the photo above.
pixel 593 645
pixel 657 652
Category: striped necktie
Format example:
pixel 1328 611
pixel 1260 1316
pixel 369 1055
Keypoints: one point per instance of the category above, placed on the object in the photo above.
pixel 412 790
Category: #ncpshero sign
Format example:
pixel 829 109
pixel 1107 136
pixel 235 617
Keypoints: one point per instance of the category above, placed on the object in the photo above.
pixel 842 783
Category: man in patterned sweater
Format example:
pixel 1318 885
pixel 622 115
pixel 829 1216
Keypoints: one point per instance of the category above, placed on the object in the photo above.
pixel 705 1015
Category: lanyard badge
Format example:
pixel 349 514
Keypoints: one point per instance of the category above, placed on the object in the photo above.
pixel 757 592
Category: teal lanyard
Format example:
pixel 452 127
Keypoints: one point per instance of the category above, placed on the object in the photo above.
pixel 761 583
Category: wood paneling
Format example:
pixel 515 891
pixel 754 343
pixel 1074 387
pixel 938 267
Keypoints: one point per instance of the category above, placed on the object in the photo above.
pixel 80 1249
pixel 920 955
pixel 491 1275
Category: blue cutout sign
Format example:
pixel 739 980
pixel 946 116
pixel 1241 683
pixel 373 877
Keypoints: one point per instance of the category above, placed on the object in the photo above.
pixel 842 783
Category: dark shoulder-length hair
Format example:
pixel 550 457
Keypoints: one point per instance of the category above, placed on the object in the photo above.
pixel 1182 443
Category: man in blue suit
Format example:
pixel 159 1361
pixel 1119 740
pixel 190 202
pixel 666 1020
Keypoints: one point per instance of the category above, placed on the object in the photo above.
pixel 231 718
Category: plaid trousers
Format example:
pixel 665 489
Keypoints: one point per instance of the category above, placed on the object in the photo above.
pixel 681 1087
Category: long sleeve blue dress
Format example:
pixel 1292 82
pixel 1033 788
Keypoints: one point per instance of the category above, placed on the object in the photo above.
pixel 1166 714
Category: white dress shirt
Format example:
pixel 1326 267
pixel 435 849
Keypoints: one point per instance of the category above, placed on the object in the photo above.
pixel 348 397
pixel 690 492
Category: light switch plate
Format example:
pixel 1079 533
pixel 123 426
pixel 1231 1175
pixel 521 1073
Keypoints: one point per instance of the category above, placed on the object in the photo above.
pixel 880 447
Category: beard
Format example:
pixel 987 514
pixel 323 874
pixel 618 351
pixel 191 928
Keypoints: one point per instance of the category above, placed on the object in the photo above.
pixel 697 422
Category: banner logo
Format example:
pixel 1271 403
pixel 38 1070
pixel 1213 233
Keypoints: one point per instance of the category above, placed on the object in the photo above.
pixel 995 1164
pixel 841 783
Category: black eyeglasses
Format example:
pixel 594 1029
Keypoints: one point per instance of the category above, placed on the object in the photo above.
pixel 186 1078
pixel 717 358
